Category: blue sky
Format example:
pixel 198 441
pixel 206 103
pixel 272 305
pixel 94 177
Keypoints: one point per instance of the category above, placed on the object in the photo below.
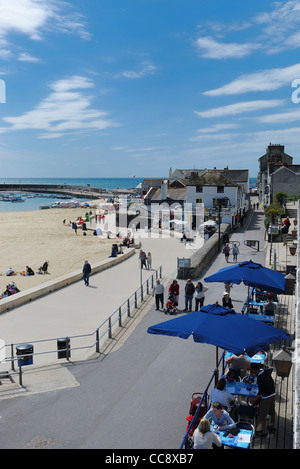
pixel 121 88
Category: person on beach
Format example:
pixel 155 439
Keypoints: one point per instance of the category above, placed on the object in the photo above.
pixel 29 270
pixel 158 291
pixel 10 272
pixel 226 251
pixel 86 271
pixel 199 297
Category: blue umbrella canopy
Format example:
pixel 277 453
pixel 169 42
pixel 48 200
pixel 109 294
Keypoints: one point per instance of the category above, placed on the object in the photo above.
pixel 251 274
pixel 224 328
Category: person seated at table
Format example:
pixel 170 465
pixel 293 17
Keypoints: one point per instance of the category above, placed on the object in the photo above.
pixel 238 364
pixel 226 301
pixel 259 295
pixel 222 395
pixel 203 438
pixel 270 307
pixel 220 417
pixel 230 377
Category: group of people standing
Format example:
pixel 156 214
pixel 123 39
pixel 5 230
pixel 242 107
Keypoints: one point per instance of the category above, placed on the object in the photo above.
pixel 190 291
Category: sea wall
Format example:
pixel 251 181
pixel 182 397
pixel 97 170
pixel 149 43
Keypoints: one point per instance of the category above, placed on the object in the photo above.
pixel 30 294
pixel 202 258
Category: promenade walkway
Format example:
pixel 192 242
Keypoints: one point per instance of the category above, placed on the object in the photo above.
pixel 145 378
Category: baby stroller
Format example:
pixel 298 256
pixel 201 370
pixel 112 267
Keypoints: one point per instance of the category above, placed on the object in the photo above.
pixel 196 399
pixel 171 305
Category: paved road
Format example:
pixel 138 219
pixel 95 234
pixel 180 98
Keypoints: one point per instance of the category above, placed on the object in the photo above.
pixel 136 396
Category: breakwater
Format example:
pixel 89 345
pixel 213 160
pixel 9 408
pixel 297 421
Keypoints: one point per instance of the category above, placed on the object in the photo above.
pixel 84 192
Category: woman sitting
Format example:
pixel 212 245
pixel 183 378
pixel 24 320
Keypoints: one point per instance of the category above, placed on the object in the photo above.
pixel 220 394
pixel 220 417
pixel 226 301
pixel 203 438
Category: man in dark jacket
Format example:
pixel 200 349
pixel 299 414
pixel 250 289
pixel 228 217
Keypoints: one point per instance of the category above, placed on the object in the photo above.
pixel 189 293
pixel 265 397
pixel 86 272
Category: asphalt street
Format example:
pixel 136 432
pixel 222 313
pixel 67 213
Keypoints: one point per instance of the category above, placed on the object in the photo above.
pixel 136 396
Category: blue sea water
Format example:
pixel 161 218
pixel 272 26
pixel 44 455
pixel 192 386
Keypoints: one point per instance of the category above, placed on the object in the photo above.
pixel 36 202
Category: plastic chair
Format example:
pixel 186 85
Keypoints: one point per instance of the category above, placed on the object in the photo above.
pixel 244 425
pixel 247 413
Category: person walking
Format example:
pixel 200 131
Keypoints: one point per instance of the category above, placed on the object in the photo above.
pixel 235 252
pixel 158 291
pixel 189 293
pixel 199 297
pixel 226 251
pixel 149 260
pixel 86 271
pixel 143 258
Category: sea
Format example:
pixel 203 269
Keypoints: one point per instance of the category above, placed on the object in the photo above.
pixel 36 202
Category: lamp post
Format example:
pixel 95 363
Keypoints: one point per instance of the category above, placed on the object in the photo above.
pixel 220 203
pixel 283 363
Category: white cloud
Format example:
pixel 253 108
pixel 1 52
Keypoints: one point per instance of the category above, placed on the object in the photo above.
pixel 34 18
pixel 239 108
pixel 66 109
pixel 145 68
pixel 281 117
pixel 266 80
pixel 217 128
pixel 25 57
pixel 269 32
pixel 212 49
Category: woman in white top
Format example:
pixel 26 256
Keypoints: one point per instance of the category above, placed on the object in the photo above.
pixel 203 438
pixel 220 394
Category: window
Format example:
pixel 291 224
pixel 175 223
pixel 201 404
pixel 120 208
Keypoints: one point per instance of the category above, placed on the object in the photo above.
pixel 199 189
pixel 220 189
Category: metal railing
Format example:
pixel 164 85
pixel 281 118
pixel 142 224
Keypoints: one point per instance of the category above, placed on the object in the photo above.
pixel 204 399
pixel 100 335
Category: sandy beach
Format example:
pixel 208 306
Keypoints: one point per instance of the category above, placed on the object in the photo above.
pixel 33 237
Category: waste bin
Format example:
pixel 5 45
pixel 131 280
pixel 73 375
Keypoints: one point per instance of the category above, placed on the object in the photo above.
pixel 63 348
pixel 27 351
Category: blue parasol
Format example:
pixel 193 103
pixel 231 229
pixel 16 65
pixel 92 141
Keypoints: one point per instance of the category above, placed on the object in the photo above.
pixel 251 274
pixel 222 327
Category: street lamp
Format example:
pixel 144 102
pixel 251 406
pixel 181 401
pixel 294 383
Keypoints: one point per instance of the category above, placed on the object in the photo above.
pixel 283 363
pixel 293 249
pixel 220 203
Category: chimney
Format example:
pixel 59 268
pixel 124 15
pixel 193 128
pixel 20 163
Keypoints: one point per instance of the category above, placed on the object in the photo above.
pixel 164 189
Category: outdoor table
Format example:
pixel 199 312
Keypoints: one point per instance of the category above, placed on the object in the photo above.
pixel 268 318
pixel 240 388
pixel 242 440
pixel 257 358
